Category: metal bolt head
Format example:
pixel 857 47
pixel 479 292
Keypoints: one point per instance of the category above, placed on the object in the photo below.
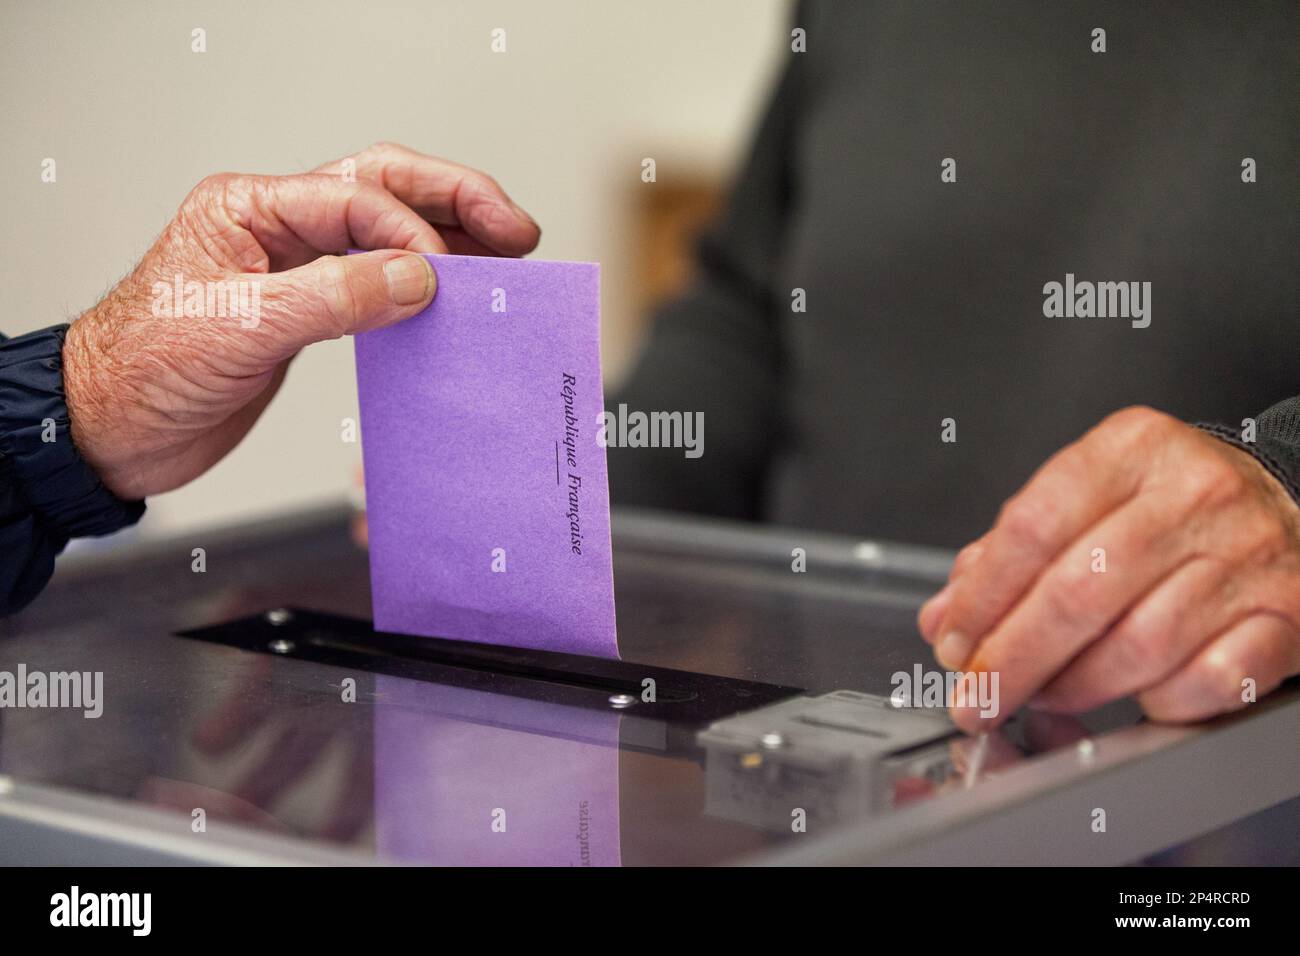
pixel 621 701
pixel 281 646
pixel 771 741
pixel 279 616
pixel 1086 750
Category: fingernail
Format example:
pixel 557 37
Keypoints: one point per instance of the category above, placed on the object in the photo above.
pixel 410 279
pixel 953 650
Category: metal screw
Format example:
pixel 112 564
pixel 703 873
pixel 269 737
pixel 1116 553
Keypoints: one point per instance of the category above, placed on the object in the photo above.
pixel 772 741
pixel 1086 750
pixel 621 701
pixel 281 646
pixel 279 616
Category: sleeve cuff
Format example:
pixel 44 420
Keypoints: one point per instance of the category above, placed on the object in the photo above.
pixel 37 453
pixel 1260 451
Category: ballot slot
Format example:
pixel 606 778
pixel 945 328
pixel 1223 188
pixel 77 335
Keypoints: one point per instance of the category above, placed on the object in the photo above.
pixel 639 692
pixel 590 682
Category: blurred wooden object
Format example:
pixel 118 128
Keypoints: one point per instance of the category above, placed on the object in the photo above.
pixel 670 217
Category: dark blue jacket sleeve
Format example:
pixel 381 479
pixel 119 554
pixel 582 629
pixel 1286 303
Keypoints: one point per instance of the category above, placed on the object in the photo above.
pixel 27 551
pixel 48 494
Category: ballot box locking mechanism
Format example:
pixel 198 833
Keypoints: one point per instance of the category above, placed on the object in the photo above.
pixel 838 757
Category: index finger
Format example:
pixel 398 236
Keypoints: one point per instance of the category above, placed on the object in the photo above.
pixel 447 194
pixel 1074 490
pixel 296 219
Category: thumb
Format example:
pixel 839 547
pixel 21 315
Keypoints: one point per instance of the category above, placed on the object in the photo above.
pixel 342 295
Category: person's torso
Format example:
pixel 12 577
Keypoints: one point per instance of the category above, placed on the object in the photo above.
pixel 925 299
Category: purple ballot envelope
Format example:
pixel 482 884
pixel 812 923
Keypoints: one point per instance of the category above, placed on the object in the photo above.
pixel 487 495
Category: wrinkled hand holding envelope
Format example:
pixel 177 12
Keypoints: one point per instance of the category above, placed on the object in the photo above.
pixel 486 490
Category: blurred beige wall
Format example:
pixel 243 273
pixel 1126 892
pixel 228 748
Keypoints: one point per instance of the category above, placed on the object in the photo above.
pixel 563 118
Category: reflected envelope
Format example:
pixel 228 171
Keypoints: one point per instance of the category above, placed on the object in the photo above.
pixel 467 778
pixel 486 488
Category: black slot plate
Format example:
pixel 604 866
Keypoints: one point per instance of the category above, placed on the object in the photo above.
pixel 683 697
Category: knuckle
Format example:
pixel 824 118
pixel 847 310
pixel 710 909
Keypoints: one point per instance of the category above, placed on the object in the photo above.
pixel 1068 597
pixel 963 608
pixel 366 190
pixel 216 182
pixel 1140 651
pixel 1135 428
pixel 335 294
pixel 1139 420
pixel 381 159
pixel 490 216
pixel 1210 481
pixel 1025 520
pixel 481 189
pixel 210 190
pixel 966 557
pixel 1270 539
